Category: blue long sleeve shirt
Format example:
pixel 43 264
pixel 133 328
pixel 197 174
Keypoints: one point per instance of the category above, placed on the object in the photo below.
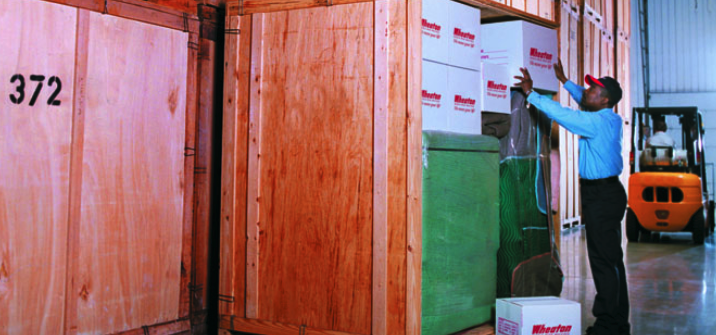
pixel 600 142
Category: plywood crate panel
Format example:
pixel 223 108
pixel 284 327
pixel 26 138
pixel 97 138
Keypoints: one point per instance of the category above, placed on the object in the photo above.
pixel 317 230
pixel 35 143
pixel 98 158
pixel 132 175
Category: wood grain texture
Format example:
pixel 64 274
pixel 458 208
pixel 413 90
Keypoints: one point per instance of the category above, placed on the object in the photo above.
pixel 133 176
pixel 165 13
pixel 79 108
pixel 315 175
pixel 519 5
pixel 381 50
pixel 189 109
pixel 35 149
pixel 234 167
pixel 510 10
pixel 415 169
pixel 254 326
pixel 175 327
pixel 548 9
pixel 254 178
pixel 245 7
pixel 229 176
pixel 532 7
pixel 397 166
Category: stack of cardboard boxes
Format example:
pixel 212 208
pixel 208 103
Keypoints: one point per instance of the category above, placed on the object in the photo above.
pixel 468 68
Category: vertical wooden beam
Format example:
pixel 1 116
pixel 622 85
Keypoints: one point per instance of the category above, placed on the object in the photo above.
pixel 254 170
pixel 415 172
pixel 192 104
pixel 234 166
pixel 380 167
pixel 75 200
pixel 397 166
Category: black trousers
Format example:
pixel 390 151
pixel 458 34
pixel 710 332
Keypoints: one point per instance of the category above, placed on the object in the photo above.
pixel 603 207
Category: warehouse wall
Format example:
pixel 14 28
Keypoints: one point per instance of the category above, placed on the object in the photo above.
pixel 682 49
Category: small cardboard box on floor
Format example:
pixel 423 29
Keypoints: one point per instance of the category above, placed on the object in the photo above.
pixel 538 315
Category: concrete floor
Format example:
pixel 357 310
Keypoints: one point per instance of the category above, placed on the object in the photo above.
pixel 672 282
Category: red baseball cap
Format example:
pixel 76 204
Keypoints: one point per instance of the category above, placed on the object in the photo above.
pixel 608 83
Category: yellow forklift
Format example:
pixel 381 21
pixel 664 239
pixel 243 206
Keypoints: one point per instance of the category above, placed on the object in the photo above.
pixel 668 189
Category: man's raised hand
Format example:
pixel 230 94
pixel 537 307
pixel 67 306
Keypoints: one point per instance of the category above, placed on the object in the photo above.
pixel 559 72
pixel 525 81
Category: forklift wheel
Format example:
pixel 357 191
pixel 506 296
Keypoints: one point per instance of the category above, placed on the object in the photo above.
pixel 698 227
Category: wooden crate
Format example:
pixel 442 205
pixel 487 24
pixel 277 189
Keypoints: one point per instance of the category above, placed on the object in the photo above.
pixel 328 116
pixel 321 170
pixel 99 233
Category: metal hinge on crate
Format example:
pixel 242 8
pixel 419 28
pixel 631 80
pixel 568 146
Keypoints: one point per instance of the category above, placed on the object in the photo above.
pixel 189 151
pixel 226 298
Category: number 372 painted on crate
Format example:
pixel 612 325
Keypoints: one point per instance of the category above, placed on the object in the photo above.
pixel 19 95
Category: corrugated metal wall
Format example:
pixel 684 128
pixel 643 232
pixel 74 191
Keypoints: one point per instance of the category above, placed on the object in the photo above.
pixel 682 45
pixel 682 59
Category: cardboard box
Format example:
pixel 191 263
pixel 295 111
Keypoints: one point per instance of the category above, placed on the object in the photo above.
pixel 451 99
pixel 451 33
pixel 522 44
pixel 496 82
pixel 465 95
pixel 538 315
pixel 435 27
pixel 464 44
pixel 435 96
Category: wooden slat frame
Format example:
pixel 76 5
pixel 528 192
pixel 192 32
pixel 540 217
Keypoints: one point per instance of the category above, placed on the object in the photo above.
pixel 247 7
pixel 235 164
pixel 380 167
pixel 254 166
pixel 256 326
pixel 415 169
pixel 140 11
pixel 192 105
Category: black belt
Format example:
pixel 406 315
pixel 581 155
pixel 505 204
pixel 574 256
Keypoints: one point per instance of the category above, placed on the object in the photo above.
pixel 603 181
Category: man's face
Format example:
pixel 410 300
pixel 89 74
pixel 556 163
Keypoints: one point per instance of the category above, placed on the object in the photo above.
pixel 594 99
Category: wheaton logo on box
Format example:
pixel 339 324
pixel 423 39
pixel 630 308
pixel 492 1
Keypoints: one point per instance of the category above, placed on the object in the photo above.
pixel 463 104
pixel 463 38
pixel 496 90
pixel 431 29
pixel 540 59
pixel 431 99
pixel 556 330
